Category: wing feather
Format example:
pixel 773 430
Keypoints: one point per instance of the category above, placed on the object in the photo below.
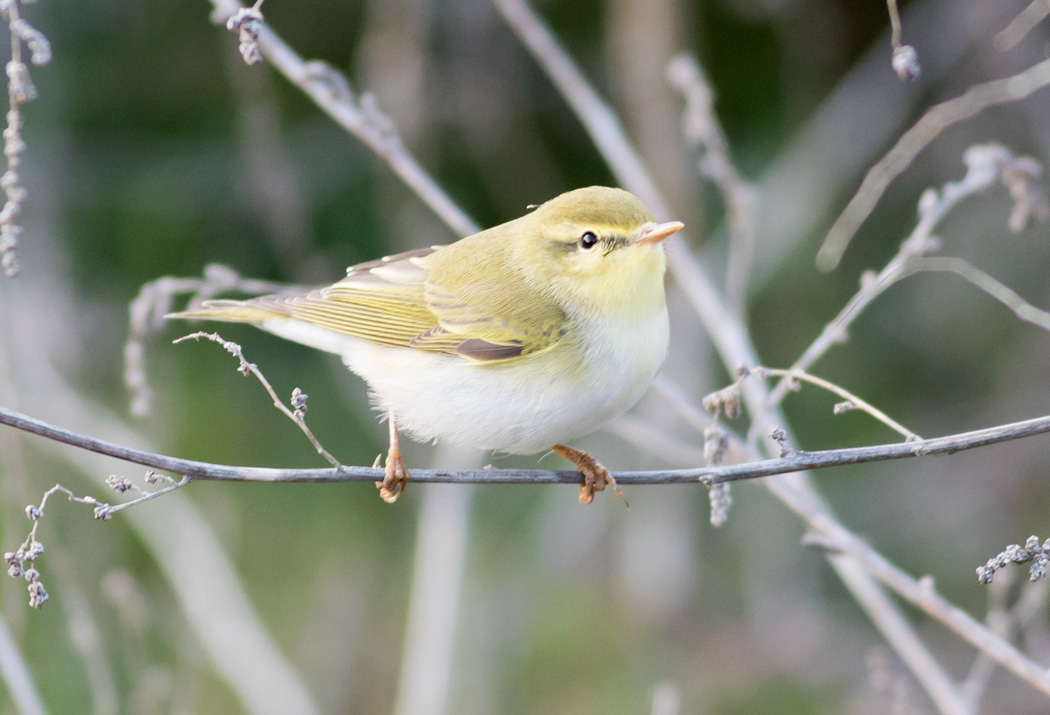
pixel 434 299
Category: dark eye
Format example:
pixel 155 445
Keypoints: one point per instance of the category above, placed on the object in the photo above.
pixel 588 240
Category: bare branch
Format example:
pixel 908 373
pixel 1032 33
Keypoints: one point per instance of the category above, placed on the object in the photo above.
pixel 918 593
pixel 851 399
pixel 999 291
pixel 985 165
pixel 795 462
pixel 936 119
pixel 895 23
pixel 358 114
pixel 702 129
pixel 1021 25
pixel 923 594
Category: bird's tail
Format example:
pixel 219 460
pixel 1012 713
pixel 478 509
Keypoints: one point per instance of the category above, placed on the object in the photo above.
pixel 230 311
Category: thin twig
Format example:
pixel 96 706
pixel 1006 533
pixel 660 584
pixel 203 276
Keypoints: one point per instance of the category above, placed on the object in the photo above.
pixel 985 165
pixel 298 398
pixel 844 394
pixel 895 23
pixel 146 496
pixel 936 119
pixel 727 399
pixel 999 291
pixel 918 592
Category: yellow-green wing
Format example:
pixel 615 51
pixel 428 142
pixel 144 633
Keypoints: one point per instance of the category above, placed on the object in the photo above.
pixel 485 308
pixel 463 308
pixel 382 301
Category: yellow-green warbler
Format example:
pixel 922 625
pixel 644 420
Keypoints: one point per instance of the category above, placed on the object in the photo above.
pixel 515 339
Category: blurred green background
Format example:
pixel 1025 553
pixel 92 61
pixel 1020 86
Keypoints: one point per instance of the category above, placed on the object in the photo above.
pixel 153 151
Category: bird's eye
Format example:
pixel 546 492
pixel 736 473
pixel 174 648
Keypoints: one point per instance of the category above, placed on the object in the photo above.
pixel 588 240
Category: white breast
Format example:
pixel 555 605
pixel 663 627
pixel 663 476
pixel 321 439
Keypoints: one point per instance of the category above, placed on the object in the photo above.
pixel 520 407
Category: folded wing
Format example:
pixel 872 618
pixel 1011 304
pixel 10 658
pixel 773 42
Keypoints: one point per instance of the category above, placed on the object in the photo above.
pixel 396 301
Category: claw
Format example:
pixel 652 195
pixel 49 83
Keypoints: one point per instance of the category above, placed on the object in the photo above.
pixel 395 479
pixel 396 476
pixel 595 476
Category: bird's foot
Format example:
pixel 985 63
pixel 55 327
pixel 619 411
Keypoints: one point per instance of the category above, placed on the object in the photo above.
pixel 395 478
pixel 595 476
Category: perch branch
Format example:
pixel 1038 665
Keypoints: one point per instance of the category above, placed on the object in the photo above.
pixel 794 462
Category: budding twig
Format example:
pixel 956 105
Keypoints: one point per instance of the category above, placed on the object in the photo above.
pixel 21 563
pixel 298 401
pixel 20 89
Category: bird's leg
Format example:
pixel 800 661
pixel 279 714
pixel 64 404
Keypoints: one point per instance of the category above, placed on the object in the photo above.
pixel 396 478
pixel 595 476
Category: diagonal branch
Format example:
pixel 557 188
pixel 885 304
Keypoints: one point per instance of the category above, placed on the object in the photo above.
pixel 727 332
pixel 936 119
pixel 358 115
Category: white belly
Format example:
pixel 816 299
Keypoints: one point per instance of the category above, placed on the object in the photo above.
pixel 521 407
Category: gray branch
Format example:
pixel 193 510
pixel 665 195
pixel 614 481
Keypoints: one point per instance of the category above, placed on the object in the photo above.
pixel 794 462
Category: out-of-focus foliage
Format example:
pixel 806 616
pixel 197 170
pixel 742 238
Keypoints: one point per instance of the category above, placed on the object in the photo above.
pixel 153 150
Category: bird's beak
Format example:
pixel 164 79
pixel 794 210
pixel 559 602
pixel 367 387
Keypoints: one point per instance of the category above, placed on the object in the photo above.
pixel 656 232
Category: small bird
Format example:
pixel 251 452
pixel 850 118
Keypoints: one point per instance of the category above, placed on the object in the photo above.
pixel 520 337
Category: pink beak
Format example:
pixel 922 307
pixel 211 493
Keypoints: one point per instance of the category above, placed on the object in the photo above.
pixel 654 233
